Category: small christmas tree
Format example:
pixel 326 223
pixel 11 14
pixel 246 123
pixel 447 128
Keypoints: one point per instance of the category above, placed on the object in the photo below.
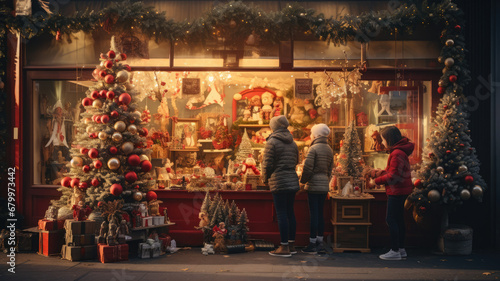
pixel 206 203
pixel 350 153
pixel 244 149
pixel 222 138
pixel 234 213
pixel 214 219
pixel 242 226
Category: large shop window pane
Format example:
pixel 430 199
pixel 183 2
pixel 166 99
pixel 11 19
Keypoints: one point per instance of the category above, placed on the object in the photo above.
pixel 56 108
pixel 406 53
pixel 322 54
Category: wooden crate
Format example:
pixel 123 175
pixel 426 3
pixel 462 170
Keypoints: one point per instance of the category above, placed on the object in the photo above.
pixel 351 238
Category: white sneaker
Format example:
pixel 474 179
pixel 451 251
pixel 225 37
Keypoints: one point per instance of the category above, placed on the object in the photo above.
pixel 391 256
pixel 402 252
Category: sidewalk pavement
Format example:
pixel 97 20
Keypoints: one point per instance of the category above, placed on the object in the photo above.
pixel 192 265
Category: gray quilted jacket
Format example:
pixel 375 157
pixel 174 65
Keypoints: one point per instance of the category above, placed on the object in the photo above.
pixel 318 166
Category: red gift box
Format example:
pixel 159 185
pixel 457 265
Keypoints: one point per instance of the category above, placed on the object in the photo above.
pixel 113 253
pixel 47 225
pixel 50 242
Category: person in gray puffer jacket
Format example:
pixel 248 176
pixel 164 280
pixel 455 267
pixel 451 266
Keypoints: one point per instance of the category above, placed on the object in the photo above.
pixel 281 156
pixel 316 174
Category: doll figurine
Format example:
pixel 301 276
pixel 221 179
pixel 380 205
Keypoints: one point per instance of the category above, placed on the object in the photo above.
pixel 267 101
pixel 277 107
pixel 112 234
pixel 103 232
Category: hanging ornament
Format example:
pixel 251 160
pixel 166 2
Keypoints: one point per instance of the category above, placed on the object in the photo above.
pixel 125 98
pixel 116 189
pixel 445 106
pixel 102 74
pixel 120 126
pixel 431 155
pixel 442 83
pixel 146 166
pixel 433 195
pixel 83 185
pixel 97 103
pixel 117 137
pixel 417 183
pixel 144 157
pixel 127 147
pixel 93 136
pixel 103 135
pixel 102 94
pixel 114 114
pixel 87 121
pixel 449 62
pixel 122 76
pixel 458 27
pixel 87 102
pixel 464 194
pixel 440 169
pixel 75 182
pixel 113 150
pixel 86 168
pixel 66 181
pixel 449 42
pixel 131 177
pixel 462 168
pixel 469 179
pixel 104 119
pixel 97 164
pixel 144 132
pixel 76 162
pixel 441 90
pixel 108 64
pixel 146 115
pixel 113 163
pixel 109 79
pixel 132 129
pixel 453 78
pixel 94 182
pixel 111 54
pixel 151 195
pixel 93 153
pixel 134 160
pixel 97 119
pixel 477 192
pixel 110 95
pixel 137 196
pixel 448 151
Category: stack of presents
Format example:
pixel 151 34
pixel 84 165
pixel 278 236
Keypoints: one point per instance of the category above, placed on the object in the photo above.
pixel 81 239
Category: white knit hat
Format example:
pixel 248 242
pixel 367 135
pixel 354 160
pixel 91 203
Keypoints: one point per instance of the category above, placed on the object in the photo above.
pixel 320 130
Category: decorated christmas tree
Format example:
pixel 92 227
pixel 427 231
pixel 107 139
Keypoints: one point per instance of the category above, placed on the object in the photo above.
pixel 350 153
pixel 222 138
pixel 109 158
pixel 244 149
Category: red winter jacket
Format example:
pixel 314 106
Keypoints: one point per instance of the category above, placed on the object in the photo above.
pixel 397 175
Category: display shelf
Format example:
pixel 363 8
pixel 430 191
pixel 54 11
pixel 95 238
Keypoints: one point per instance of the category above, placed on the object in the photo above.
pixel 185 149
pixel 254 126
pixel 217 150
pixel 153 226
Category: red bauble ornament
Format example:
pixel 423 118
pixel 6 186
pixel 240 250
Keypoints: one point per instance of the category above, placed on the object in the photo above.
pixel 151 195
pixel 125 98
pixel 97 119
pixel 97 164
pixel 102 74
pixel 111 54
pixel 448 151
pixel 445 107
pixel 87 102
pixel 124 57
pixel 116 189
pixel 431 155
pixel 84 150
pixel 131 176
pixel 75 182
pixel 83 185
pixel 453 78
pixel 144 132
pixel 441 90
pixel 458 27
pixel 102 93
pixel 93 153
pixel 136 187
pixel 462 145
pixel 146 166
pixel 94 182
pixel 108 64
pixel 469 179
pixel 110 95
pixel 66 182
pixel 94 94
pixel 86 168
pixel 418 183
pixel 95 73
pixel 109 79
pixel 114 114
pixel 128 68
pixel 134 160
pixel 113 150
pixel 105 119
pixel 99 204
pixel 93 136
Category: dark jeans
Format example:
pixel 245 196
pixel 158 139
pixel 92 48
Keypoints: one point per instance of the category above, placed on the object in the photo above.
pixel 396 221
pixel 283 202
pixel 316 204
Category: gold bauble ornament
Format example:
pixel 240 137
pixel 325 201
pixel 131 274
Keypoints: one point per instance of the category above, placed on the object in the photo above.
pixel 76 162
pixel 477 192
pixel 449 62
pixel 117 137
pixel 136 114
pixel 90 129
pixel 137 196
pixel 120 126
pixel 433 195
pixel 87 121
pixel 132 129
pixel 113 163
pixel 442 83
pixel 129 86
pixel 97 103
pixel 103 135
pixel 440 169
pixel 462 168
pixel 127 147
pixel 122 76
pixel 465 194
pixel 449 42
pixel 144 157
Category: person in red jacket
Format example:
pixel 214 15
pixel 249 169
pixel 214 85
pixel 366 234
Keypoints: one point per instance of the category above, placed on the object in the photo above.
pixel 397 180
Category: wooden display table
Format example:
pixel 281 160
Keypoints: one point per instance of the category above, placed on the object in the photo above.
pixel 142 233
pixel 351 222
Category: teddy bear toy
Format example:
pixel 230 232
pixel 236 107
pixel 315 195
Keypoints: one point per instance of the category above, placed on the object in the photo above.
pixel 255 108
pixel 298 112
pixel 267 101
pixel 250 166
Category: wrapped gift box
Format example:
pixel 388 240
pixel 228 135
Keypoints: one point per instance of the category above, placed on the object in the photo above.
pixel 147 221
pixel 145 251
pixel 78 253
pixel 48 225
pixel 50 242
pixel 75 227
pixel 158 220
pixel 80 240
pixel 115 253
pixel 156 249
pixel 165 242
pixel 252 180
